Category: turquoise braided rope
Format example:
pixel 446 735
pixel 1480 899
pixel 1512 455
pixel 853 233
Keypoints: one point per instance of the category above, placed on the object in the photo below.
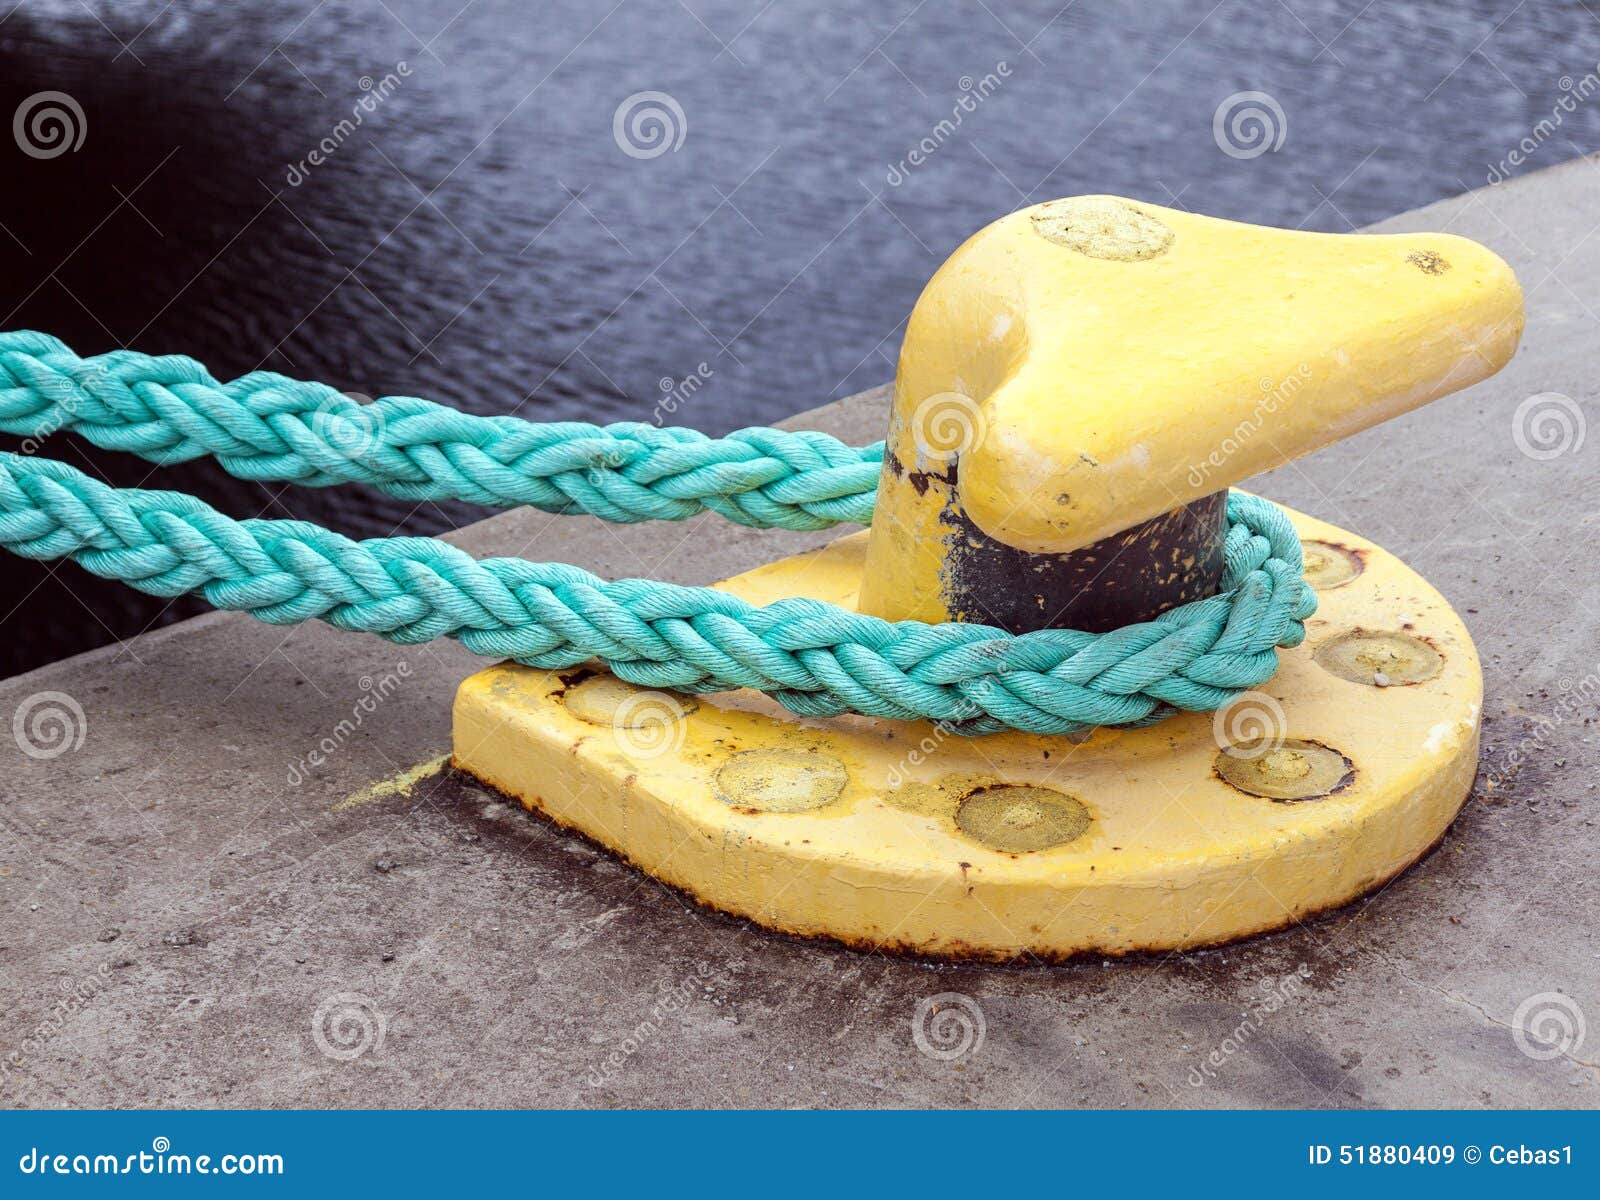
pixel 814 658
pixel 263 426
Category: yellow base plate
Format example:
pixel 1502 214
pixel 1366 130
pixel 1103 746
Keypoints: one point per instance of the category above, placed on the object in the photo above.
pixel 1339 773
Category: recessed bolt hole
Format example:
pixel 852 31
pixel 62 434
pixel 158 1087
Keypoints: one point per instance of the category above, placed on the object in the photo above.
pixel 1379 658
pixel 1330 565
pixel 780 781
pixel 1018 819
pixel 1294 769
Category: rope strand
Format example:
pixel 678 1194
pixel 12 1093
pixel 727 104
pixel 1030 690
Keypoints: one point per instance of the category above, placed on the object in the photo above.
pixel 264 426
pixel 814 658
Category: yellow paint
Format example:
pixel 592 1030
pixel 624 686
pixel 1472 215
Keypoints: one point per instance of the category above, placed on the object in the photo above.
pixel 399 784
pixel 1093 363
pixel 897 835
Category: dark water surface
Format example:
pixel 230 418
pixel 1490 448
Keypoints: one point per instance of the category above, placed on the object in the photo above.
pixel 482 238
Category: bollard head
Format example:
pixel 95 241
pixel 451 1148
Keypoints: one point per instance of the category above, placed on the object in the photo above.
pixel 1086 365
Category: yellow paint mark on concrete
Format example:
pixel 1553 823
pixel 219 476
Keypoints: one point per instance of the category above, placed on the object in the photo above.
pixel 396 785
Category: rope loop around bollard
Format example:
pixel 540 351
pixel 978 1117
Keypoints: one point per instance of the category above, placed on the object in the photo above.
pixel 815 659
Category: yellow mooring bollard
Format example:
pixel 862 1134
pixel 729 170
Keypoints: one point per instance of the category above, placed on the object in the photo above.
pixel 1079 385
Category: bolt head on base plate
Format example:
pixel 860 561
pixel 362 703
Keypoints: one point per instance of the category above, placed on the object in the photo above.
pixel 1331 779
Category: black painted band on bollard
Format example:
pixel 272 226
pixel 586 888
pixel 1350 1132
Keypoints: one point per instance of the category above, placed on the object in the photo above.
pixel 1132 576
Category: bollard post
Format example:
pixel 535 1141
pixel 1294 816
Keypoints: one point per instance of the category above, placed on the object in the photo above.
pixel 1079 386
pixel 1083 379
